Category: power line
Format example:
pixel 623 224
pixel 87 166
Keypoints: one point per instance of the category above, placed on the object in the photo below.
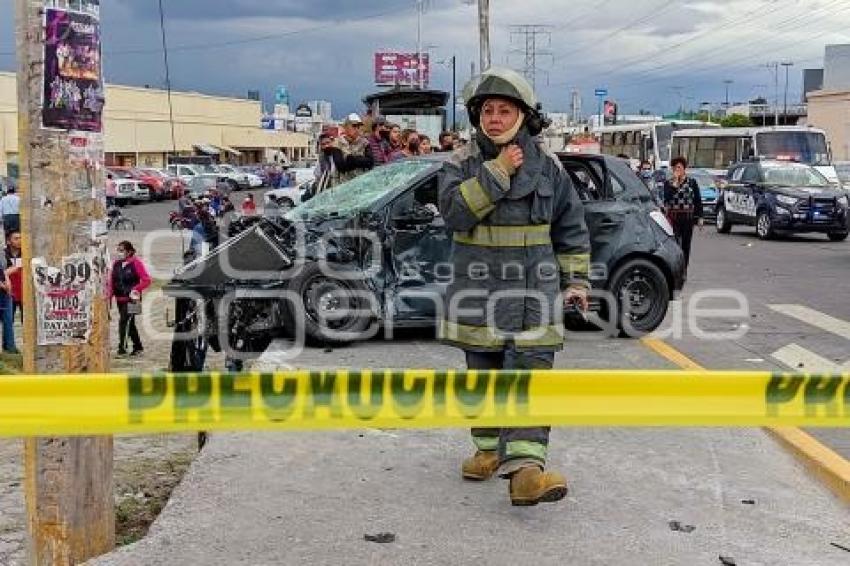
pixel 530 50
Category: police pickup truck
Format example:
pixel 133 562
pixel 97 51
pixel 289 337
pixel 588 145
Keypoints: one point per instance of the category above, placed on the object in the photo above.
pixel 782 197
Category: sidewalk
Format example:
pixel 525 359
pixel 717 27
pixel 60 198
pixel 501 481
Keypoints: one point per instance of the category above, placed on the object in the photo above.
pixel 309 498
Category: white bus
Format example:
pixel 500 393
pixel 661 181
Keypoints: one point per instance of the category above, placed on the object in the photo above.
pixel 716 150
pixel 647 140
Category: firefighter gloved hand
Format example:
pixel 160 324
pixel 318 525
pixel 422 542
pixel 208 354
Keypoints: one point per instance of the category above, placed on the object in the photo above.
pixel 510 159
pixel 577 295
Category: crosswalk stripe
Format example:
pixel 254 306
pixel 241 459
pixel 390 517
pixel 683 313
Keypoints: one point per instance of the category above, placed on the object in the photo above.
pixel 800 359
pixel 815 318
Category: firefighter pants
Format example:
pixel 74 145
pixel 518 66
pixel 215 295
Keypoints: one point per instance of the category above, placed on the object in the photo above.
pixel 516 446
pixel 683 229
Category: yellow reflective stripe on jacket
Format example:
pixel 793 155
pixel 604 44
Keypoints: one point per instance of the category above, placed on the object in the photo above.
pixel 476 198
pixel 506 236
pixel 483 336
pixel 574 265
pixel 486 337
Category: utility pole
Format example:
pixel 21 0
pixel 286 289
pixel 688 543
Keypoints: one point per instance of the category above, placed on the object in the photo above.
pixel 68 481
pixel 484 34
pixel 774 66
pixel 454 93
pixel 530 51
pixel 787 65
pixel 727 82
pixel 420 7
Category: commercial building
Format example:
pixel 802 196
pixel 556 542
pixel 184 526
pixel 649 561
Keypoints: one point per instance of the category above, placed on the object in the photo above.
pixel 138 128
pixel 829 108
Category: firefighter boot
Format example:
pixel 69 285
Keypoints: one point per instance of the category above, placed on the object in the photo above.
pixel 531 485
pixel 481 466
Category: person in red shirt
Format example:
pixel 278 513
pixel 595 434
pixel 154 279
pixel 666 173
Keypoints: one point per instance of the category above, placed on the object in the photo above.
pixel 14 271
pixel 249 207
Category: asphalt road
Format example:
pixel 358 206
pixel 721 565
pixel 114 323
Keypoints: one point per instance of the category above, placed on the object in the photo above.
pixel 310 498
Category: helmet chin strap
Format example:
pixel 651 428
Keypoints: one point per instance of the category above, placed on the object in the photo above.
pixel 506 137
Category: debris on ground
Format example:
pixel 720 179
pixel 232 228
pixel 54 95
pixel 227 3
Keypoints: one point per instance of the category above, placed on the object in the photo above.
pixel 382 538
pixel 748 501
pixel 727 560
pixel 678 526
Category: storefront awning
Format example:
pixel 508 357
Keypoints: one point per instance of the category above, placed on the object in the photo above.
pixel 229 150
pixel 207 148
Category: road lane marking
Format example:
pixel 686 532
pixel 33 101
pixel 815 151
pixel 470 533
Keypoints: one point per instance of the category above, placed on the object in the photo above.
pixel 801 359
pixel 815 318
pixel 825 463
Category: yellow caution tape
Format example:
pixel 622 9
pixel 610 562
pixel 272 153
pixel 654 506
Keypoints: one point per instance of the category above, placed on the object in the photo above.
pixel 343 399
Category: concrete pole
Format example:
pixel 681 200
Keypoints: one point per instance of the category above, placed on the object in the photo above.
pixel 68 481
pixel 484 34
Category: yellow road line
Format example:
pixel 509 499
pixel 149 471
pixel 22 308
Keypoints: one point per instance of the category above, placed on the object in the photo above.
pixel 825 463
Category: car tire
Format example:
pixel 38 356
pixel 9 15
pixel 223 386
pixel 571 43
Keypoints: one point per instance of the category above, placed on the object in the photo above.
pixel 837 236
pixel 722 221
pixel 320 292
pixel 234 186
pixel 764 225
pixel 642 295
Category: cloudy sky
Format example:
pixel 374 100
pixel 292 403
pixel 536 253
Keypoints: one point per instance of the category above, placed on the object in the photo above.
pixel 650 54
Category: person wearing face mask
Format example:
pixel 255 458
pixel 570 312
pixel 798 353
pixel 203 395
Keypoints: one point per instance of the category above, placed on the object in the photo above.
pixel 128 278
pixel 447 142
pixel 647 177
pixel 520 236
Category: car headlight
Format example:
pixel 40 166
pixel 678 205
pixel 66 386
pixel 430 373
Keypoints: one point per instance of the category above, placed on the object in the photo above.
pixel 784 199
pixel 844 201
pixel 662 221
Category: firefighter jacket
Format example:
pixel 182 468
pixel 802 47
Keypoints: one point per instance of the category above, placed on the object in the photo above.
pixel 518 242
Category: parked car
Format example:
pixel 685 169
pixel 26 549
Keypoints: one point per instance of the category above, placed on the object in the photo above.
pixel 782 197
pixel 153 183
pixel 287 198
pixel 184 171
pixel 245 179
pixel 709 188
pixel 398 266
pixel 174 186
pixel 128 190
pixel 209 182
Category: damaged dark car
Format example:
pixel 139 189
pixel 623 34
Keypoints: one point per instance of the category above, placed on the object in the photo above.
pixel 373 253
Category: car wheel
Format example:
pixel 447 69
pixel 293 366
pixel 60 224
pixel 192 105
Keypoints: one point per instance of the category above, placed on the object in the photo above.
pixel 189 352
pixel 232 185
pixel 722 222
pixel 336 303
pixel 642 296
pixel 764 226
pixel 837 236
pixel 285 204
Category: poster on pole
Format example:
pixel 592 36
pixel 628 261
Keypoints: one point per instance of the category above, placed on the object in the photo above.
pixel 64 297
pixel 73 94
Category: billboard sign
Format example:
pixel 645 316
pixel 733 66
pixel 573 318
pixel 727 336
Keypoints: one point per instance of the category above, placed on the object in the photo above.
pixel 392 68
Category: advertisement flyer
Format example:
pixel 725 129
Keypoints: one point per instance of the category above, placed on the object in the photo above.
pixel 73 78
pixel 64 298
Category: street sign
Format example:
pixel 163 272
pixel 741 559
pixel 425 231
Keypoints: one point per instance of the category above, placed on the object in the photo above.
pixel 601 92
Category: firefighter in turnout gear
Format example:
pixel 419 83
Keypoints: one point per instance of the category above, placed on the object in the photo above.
pixel 520 251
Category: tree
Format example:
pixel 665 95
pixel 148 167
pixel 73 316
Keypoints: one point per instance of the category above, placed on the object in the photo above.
pixel 736 121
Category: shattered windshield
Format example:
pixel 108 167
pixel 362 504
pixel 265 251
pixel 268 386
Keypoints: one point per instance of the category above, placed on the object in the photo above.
pixel 360 192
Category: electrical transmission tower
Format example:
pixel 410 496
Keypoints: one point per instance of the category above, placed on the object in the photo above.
pixel 535 41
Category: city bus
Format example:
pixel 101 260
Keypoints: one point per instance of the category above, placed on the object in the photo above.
pixel 716 150
pixel 646 140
